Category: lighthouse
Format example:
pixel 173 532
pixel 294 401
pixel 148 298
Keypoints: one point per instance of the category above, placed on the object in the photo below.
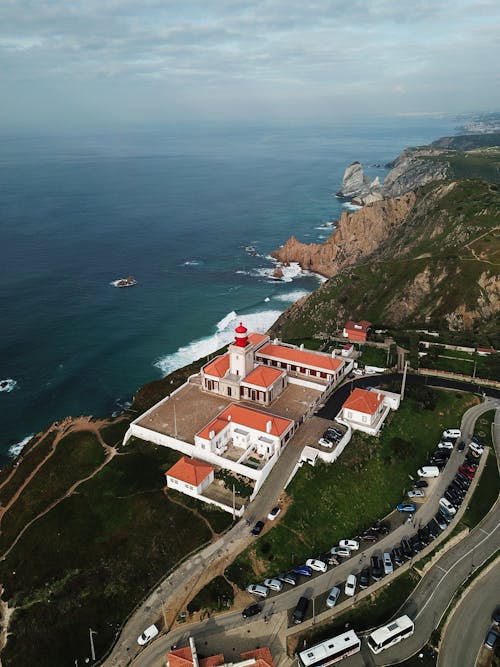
pixel 241 353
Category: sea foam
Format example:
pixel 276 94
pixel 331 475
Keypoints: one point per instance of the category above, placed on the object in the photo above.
pixel 224 334
pixel 351 207
pixel 17 448
pixel 8 384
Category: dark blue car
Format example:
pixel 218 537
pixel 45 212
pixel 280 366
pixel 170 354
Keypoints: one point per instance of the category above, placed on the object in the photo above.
pixel 304 570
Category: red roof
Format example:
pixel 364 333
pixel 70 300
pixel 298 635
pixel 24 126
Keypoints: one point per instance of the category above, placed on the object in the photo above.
pixel 301 357
pixel 182 657
pixel 218 367
pixel 257 338
pixel 241 329
pixel 364 401
pixel 362 325
pixel 263 376
pixel 262 656
pixel 190 471
pixel 243 416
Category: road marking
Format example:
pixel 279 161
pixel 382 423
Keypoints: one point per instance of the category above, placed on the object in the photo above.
pixel 438 567
pixel 484 531
pixel 466 555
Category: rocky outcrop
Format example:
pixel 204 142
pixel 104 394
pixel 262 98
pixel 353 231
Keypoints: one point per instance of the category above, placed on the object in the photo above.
pixel 414 168
pixel 357 236
pixel 357 186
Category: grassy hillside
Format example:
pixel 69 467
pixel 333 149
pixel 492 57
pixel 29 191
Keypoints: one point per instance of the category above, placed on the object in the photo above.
pixel 439 269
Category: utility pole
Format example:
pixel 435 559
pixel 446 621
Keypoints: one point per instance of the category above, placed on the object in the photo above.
pixel 234 504
pixel 164 614
pixel 92 650
pixel 403 383
pixel 313 611
pixel 175 421
pixel 474 373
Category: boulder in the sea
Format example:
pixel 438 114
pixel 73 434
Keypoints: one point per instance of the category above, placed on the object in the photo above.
pixel 278 273
pixel 355 182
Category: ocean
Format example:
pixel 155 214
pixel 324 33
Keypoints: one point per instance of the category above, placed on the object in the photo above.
pixel 192 214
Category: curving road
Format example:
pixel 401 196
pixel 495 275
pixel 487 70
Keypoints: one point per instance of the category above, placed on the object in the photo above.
pixel 237 538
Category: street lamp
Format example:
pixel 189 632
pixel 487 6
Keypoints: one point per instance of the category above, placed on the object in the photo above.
pixel 92 650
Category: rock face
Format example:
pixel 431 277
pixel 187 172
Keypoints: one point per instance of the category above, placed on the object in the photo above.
pixel 356 186
pixel 414 168
pixel 357 235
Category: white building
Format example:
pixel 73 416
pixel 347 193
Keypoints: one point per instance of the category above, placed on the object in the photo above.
pixel 366 410
pixel 190 476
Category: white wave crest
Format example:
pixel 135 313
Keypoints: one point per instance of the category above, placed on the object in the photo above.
pixel 8 385
pixel 351 207
pixel 258 322
pixel 191 262
pixel 291 297
pixel 17 448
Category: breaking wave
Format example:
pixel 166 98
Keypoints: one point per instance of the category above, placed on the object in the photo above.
pixel 8 385
pixel 17 448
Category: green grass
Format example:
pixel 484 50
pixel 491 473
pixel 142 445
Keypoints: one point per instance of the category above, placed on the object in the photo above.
pixel 339 500
pixel 483 426
pixel 216 595
pixel 373 356
pixel 113 433
pixel 90 560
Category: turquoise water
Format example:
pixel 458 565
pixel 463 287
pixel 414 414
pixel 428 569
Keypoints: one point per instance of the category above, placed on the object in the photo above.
pixel 192 215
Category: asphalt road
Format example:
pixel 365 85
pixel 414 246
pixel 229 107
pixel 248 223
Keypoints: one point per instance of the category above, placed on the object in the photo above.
pixel 236 539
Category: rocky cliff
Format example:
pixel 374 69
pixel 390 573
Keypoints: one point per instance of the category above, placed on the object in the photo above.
pixel 357 236
pixel 413 168
pixel 357 186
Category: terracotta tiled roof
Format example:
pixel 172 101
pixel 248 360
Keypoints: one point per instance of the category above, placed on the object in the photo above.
pixel 263 376
pixel 218 367
pixel 262 656
pixel 364 401
pixel 246 417
pixel 257 338
pixel 190 471
pixel 301 357
pixel 212 660
pixel 362 325
pixel 180 657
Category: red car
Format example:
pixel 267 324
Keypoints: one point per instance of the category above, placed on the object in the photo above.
pixel 469 468
pixel 469 475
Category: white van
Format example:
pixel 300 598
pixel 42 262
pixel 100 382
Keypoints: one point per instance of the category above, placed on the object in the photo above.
pixel 428 471
pixel 452 433
pixel 448 507
pixel 148 634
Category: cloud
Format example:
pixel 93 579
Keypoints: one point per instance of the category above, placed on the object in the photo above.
pixel 187 57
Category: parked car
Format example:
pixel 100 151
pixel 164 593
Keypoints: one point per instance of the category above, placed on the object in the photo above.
pixel 251 610
pixel 406 549
pixel 376 568
pixel 340 551
pixel 349 544
pixel 325 443
pixel 476 448
pixel 445 444
pixel 274 513
pixel 258 589
pixel 477 440
pixel 368 536
pixel 465 481
pixel 381 527
pixel 364 578
pixel 421 484
pixel 416 544
pixel 333 596
pixel 441 521
pixel 441 453
pixel 350 585
pixel 466 473
pixel 495 617
pixel 467 467
pixel 424 535
pixel 447 506
pixel 288 578
pixel 416 493
pixel 443 515
pixel 387 561
pixel 303 570
pixel 299 613
pixel 428 471
pixel 452 433
pixel 433 528
pixel 257 529
pixel 328 559
pixel 317 565
pixel 273 584
pixel 149 633
pixel 397 556
pixel 406 507
pixel 461 445
pixel 491 639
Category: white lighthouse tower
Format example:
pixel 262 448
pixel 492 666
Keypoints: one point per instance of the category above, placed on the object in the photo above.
pixel 241 353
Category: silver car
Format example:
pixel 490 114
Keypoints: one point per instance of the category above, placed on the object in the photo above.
pixel 273 584
pixel 333 596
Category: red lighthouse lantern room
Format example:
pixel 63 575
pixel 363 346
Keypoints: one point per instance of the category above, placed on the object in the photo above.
pixel 241 338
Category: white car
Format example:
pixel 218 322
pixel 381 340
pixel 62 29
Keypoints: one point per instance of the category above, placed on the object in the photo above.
pixel 349 544
pixel 273 584
pixel 476 448
pixel 443 502
pixel 325 443
pixel 316 564
pixel 416 493
pixel 333 596
pixel 340 551
pixel 452 433
pixel 148 634
pixel 274 513
pixel 257 589
pixel 445 445
pixel 350 585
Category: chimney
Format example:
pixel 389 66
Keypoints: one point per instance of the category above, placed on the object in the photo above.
pixel 229 418
pixel 211 435
pixel 302 347
pixel 194 655
pixel 378 397
pixel 269 426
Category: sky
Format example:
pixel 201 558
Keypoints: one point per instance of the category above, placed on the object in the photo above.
pixel 74 63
